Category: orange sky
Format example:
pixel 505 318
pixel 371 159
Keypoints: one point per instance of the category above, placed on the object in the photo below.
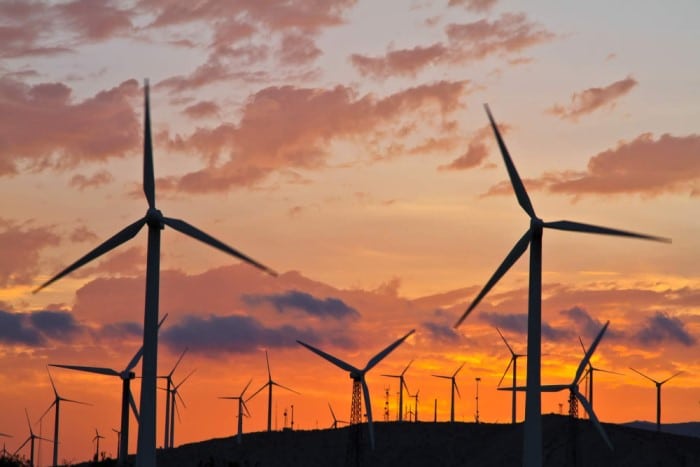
pixel 351 154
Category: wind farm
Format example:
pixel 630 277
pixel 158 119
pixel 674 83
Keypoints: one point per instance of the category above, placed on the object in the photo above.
pixel 380 156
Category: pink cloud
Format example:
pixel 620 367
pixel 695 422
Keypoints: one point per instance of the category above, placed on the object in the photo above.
pixel 81 182
pixel 477 150
pixel 82 234
pixel 95 129
pixel 305 122
pixel 24 243
pixel 591 99
pixel 476 6
pixel 95 20
pixel 297 49
pixel 405 62
pixel 202 109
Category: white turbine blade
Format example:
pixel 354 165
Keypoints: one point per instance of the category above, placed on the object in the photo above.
pixel 505 341
pixel 670 377
pixel 595 229
pixel 510 363
pixel 149 185
pixel 335 361
pixel 589 354
pixel 515 181
pixel 188 229
pixel 285 387
pixel 594 418
pixel 123 236
pixel 515 254
pixel 137 356
pixel 554 387
pixel 642 374
pixel 380 356
pixel 368 408
pixel 88 369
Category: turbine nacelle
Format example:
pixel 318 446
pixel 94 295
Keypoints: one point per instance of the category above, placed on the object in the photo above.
pixel 154 218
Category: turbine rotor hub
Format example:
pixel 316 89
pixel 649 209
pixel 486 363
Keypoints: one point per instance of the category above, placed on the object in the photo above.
pixel 154 218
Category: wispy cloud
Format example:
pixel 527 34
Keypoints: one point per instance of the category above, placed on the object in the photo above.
pixel 592 99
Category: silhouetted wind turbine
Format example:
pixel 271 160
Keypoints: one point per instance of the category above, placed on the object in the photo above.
pixel 119 439
pixel 335 420
pixel 146 448
pixel 96 440
pixel 174 395
pixel 453 387
pixel 168 410
pixel 514 362
pixel 241 407
pixel 126 375
pixel 269 385
pixel 57 404
pixel 532 442
pixel 658 394
pixel 402 385
pixel 358 376
pixel 30 440
pixel 589 374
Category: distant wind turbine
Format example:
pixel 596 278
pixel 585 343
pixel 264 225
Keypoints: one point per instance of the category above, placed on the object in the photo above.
pixel 241 407
pixel 358 378
pixel 402 385
pixel 658 394
pixel 514 362
pixel 96 440
pixel 174 394
pixel 56 404
pixel 156 221
pixel 126 375
pixel 269 385
pixel 334 425
pixel 532 441
pixel 30 440
pixel 589 374
pixel 453 388
pixel 168 410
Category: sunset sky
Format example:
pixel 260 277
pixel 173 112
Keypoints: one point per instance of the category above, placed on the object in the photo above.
pixel 344 144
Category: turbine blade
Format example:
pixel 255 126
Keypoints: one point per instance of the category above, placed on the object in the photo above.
pixel 554 387
pixel 267 361
pixel 595 229
pixel 670 377
pixel 29 424
pixel 335 361
pixel 594 418
pixel 608 371
pixel 642 374
pixel 188 229
pixel 137 356
pixel 256 392
pixel 134 409
pixel 185 379
pixel 505 341
pixel 53 386
pixel 443 376
pixel 177 394
pixel 149 185
pixel 456 388
pixel 332 413
pixel 588 355
pixel 511 389
pixel 22 445
pixel 88 369
pixel 245 407
pixel 407 367
pixel 178 361
pixel 75 402
pixel 459 369
pixel 515 181
pixel 47 410
pixel 377 358
pixel 245 388
pixel 582 346
pixel 368 408
pixel 510 363
pixel 122 236
pixel 285 387
pixel 517 251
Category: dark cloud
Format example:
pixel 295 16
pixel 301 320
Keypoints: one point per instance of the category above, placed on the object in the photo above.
pixel 323 308
pixel 121 330
pixel 440 332
pixel 14 329
pixel 517 322
pixel 37 328
pixel 663 328
pixel 215 335
pixel 55 324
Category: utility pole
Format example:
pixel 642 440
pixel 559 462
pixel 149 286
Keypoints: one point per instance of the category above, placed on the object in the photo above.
pixel 477 399
pixel 435 412
pixel 292 417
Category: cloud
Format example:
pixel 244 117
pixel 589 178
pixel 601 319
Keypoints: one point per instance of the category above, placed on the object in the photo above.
pixel 306 122
pixel 202 109
pixel 591 99
pixel 476 6
pixel 123 262
pixel 587 325
pixel 214 335
pixel 82 234
pixel 36 328
pixel 440 332
pixel 81 182
pixel 98 128
pixel 56 325
pixel 663 328
pixel 517 322
pixel 322 308
pixel 19 260
pixel 477 150
pixel 297 49
pixel 14 329
pixel 404 62
pixel 95 21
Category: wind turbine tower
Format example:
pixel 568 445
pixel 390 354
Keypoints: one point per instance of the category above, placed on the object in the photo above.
pixel 453 388
pixel 402 385
pixel 658 394
pixel 532 440
pixel 30 440
pixel 156 221
pixel 270 382
pixel 168 409
pixel 514 363
pixel 96 440
pixel 241 407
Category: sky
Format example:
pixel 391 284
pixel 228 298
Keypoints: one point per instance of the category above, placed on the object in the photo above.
pixel 344 144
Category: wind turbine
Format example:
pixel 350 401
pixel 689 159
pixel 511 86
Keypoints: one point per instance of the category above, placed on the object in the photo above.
pixel 57 404
pixel 126 375
pixel 402 385
pixel 514 362
pixel 589 374
pixel 334 425
pixel 453 387
pixel 532 442
pixel 658 394
pixel 168 410
pixel 241 407
pixel 358 381
pixel 97 439
pixel 415 400
pixel 269 385
pixel 156 221
pixel 30 440
pixel 174 394
pixel 119 438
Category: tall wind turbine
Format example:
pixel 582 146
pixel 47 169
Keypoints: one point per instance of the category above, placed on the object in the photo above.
pixel 241 407
pixel 126 375
pixel 174 394
pixel 589 374
pixel 402 385
pixel 156 221
pixel 269 385
pixel 30 440
pixel 168 410
pixel 514 362
pixel 358 381
pixel 334 425
pixel 658 394
pixel 57 405
pixel 453 388
pixel 532 442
